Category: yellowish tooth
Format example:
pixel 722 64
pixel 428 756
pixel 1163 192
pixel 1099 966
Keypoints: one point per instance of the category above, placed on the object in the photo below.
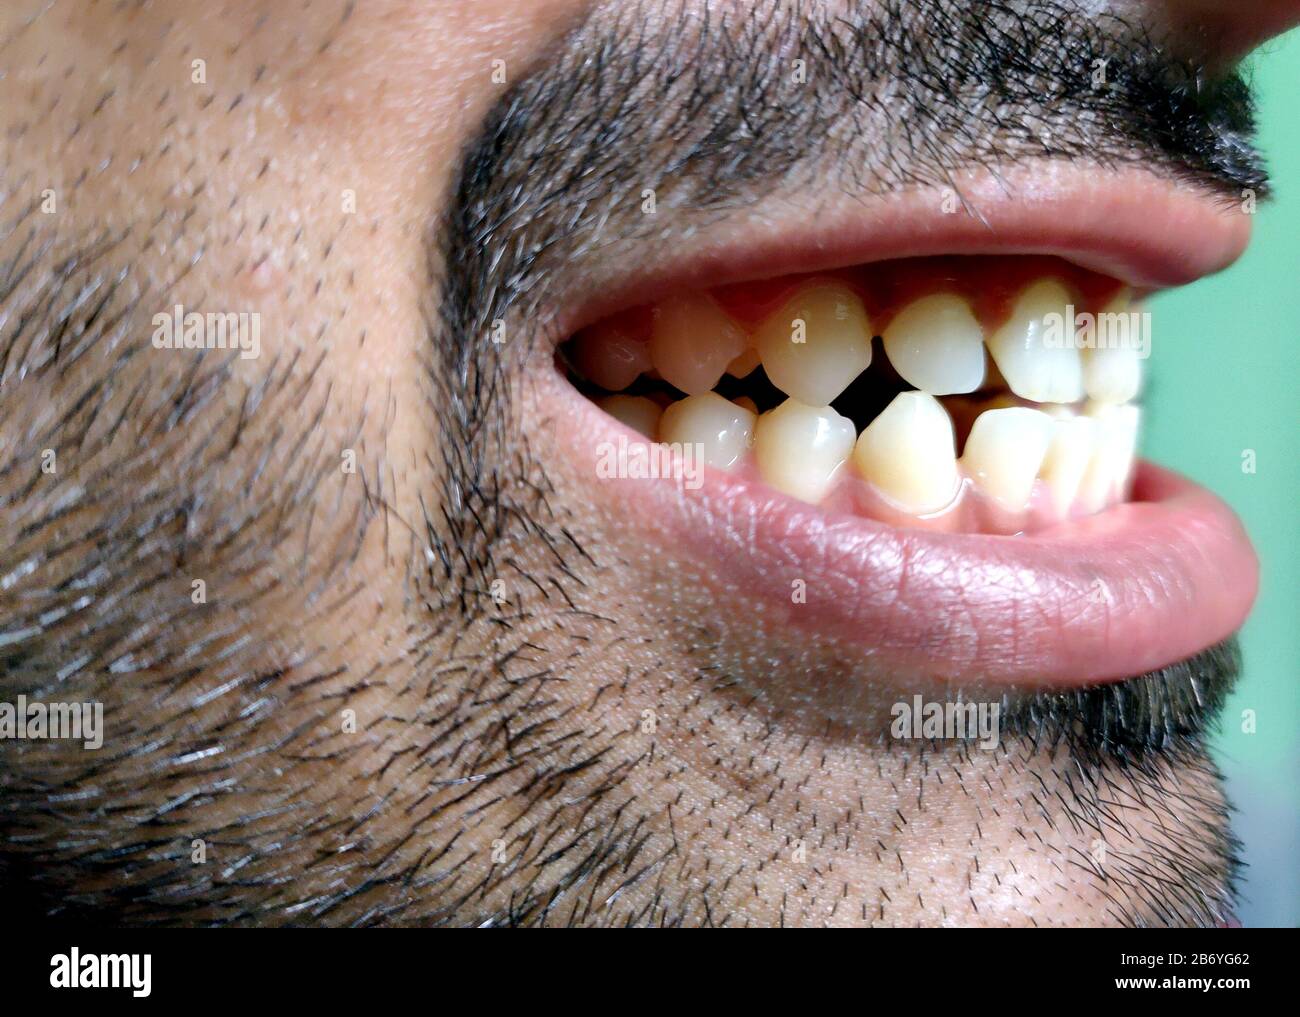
pixel 1114 449
pixel 747 403
pixel 724 430
pixel 816 344
pixel 637 412
pixel 1128 427
pixel 610 358
pixel 908 452
pixel 1112 369
pixel 936 344
pixel 1067 457
pixel 800 448
pixel 1033 368
pixel 1004 452
pixel 693 342
pixel 743 366
pixel 1112 375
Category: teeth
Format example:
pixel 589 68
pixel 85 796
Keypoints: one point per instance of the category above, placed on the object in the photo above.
pixel 820 341
pixel 609 358
pixel 743 366
pixel 1004 451
pixel 799 448
pixel 1034 370
pixel 1127 425
pixel 1113 452
pixel 1067 458
pixel 816 344
pixel 1113 374
pixel 637 412
pixel 936 344
pixel 908 453
pixel 693 342
pixel 723 429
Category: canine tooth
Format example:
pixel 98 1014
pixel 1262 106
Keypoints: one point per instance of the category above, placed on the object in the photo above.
pixel 816 344
pixel 1067 457
pixel 724 429
pixel 1033 369
pixel 1113 374
pixel 799 448
pixel 1113 453
pixel 743 366
pixel 637 412
pixel 908 452
pixel 1004 451
pixel 936 344
pixel 610 358
pixel 693 342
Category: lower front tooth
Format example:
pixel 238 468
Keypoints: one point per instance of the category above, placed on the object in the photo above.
pixel 693 342
pixel 722 429
pixel 800 448
pixel 1106 479
pixel 1004 452
pixel 908 453
pixel 637 412
pixel 1067 458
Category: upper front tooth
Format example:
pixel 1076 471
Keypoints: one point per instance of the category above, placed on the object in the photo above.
pixel 610 358
pixel 816 344
pixel 743 366
pixel 908 453
pixel 1036 353
pixel 693 342
pixel 1067 458
pixel 1004 451
pixel 1112 369
pixel 723 429
pixel 799 448
pixel 936 344
pixel 637 412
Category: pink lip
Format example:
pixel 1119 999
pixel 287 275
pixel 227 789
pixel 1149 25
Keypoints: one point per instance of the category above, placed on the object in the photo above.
pixel 1128 224
pixel 1138 587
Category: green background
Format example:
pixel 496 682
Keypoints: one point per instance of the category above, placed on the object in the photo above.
pixel 1225 373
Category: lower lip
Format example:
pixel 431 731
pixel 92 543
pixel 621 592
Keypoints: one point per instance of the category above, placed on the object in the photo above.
pixel 1138 587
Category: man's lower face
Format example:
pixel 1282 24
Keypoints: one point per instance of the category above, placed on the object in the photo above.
pixel 662 474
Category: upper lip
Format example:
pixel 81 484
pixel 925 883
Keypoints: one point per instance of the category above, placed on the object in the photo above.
pixel 1131 225
pixel 1134 589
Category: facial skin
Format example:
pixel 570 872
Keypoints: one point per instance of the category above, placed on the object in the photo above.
pixel 449 686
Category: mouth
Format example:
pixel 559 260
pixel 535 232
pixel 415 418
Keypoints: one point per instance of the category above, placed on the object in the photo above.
pixel 924 423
